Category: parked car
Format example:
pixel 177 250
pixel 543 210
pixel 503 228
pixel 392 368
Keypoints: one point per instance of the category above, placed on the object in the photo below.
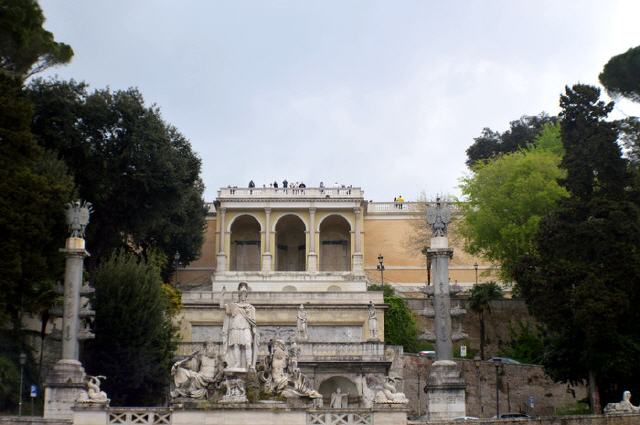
pixel 514 415
pixel 504 360
pixel 465 418
pixel 428 354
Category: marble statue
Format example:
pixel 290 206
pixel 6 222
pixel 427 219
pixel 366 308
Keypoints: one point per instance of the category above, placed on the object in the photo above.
pixel 383 391
pixel 93 393
pixel 373 322
pixel 240 333
pixel 302 323
pixel 624 406
pixel 438 218
pixel 194 375
pixel 279 373
pixel 339 400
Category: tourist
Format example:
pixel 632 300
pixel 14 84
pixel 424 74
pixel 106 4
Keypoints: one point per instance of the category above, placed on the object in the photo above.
pixel 400 201
pixel 302 185
pixel 285 183
pixel 275 184
pixel 251 184
pixel 395 202
pixel 321 185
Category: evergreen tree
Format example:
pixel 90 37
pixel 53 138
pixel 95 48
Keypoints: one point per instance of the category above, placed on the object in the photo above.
pixel 583 281
pixel 138 171
pixel 621 75
pixel 135 337
pixel 26 47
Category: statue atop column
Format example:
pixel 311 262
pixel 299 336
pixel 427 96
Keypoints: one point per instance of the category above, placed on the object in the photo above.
pixel 439 219
pixel 240 333
pixel 78 213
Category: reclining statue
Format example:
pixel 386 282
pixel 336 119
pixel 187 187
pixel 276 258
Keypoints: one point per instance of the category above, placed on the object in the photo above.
pixel 624 406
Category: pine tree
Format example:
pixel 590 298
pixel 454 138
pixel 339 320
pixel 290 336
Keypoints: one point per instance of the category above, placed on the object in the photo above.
pixel 583 282
pixel 135 337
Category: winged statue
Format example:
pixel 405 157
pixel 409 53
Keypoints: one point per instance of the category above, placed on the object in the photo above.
pixel 438 218
pixel 78 213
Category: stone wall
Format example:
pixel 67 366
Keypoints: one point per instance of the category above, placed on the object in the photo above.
pixel 516 384
pixel 628 419
pixel 32 420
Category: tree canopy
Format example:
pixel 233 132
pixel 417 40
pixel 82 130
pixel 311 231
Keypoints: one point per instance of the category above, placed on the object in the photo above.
pixel 508 196
pixel 138 171
pixel 135 337
pixel 582 281
pixel 34 186
pixel 26 47
pixel 521 133
pixel 621 75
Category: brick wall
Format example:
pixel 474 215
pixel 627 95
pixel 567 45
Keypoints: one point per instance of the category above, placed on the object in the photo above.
pixel 516 383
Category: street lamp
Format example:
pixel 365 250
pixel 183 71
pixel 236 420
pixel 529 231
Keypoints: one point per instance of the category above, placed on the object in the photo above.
pixel 176 257
pixel 380 267
pixel 23 360
pixel 475 266
pixel 497 363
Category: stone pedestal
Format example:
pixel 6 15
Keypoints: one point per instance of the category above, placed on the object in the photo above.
pixel 445 391
pixel 312 265
pixel 358 264
pixel 221 264
pixel 65 384
pixel 266 262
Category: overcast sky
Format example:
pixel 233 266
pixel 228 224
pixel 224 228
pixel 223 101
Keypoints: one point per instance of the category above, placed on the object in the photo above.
pixel 386 95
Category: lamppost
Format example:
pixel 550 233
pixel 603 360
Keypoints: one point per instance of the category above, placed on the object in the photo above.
pixel 176 258
pixel 23 360
pixel 475 266
pixel 380 267
pixel 497 363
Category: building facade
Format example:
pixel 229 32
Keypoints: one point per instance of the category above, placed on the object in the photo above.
pixel 314 250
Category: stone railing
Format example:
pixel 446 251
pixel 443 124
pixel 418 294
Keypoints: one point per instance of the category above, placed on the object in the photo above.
pixel 309 351
pixel 139 415
pixel 393 207
pixel 295 298
pixel 306 192
pixel 341 417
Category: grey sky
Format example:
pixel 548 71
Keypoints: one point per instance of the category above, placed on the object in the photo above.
pixel 384 95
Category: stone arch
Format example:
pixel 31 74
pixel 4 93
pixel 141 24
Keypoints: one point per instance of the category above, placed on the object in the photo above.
pixel 244 214
pixel 275 224
pixel 331 215
pixel 335 244
pixel 244 252
pixel 346 385
pixel 291 245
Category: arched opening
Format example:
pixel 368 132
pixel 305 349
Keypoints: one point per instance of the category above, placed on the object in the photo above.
pixel 346 385
pixel 245 244
pixel 335 244
pixel 290 244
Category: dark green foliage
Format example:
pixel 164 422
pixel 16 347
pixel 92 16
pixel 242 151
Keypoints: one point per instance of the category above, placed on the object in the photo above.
pixel 479 302
pixel 621 75
pixel 526 344
pixel 400 327
pixel 34 186
pixel 583 282
pixel 25 46
pixel 521 134
pixel 135 338
pixel 139 172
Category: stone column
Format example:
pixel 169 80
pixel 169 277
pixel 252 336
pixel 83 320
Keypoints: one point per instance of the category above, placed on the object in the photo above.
pixel 65 382
pixel 441 300
pixel 221 265
pixel 445 386
pixel 312 257
pixel 266 256
pixel 358 266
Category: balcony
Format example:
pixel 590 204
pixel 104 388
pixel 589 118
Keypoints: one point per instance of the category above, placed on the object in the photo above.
pixel 231 193
pixel 311 351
